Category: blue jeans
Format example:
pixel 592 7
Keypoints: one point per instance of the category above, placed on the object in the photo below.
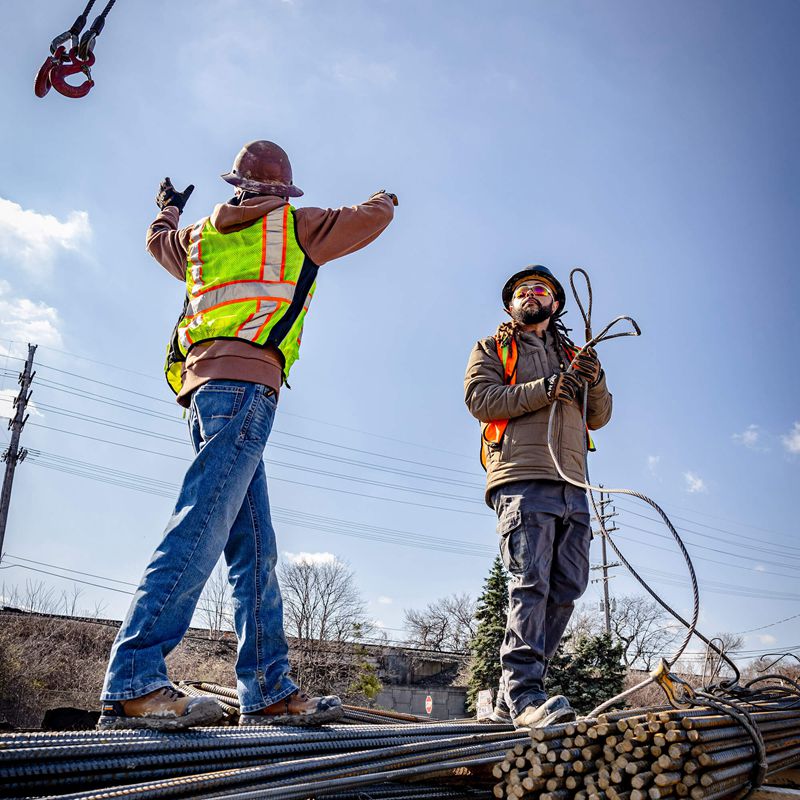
pixel 223 506
pixel 545 533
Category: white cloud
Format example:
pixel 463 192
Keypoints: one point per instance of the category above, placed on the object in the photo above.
pixel 759 568
pixel 384 600
pixel 694 483
pixel 652 464
pixel 791 441
pixel 7 409
pixel 310 558
pixel 749 437
pixel 26 320
pixel 767 638
pixel 33 239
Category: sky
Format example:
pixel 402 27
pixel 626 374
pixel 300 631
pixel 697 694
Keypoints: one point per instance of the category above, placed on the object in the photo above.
pixel 652 144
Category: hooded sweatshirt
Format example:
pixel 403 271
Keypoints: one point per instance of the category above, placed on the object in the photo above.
pixel 323 234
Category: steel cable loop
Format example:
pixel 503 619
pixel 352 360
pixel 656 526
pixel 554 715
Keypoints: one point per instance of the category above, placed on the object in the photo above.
pixel 591 341
pixel 780 690
pixel 730 708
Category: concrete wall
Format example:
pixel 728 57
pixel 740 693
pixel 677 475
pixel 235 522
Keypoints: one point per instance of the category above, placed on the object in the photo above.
pixel 448 703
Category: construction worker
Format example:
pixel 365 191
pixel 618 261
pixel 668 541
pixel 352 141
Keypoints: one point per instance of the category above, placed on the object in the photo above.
pixel 512 380
pixel 250 270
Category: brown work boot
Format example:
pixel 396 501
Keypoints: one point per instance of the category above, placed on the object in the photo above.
pixel 165 709
pixel 297 709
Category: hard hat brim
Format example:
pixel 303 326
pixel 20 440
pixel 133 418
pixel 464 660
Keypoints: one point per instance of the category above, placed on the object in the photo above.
pixel 260 187
pixel 533 271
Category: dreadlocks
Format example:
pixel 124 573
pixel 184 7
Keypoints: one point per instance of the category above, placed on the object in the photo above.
pixel 561 335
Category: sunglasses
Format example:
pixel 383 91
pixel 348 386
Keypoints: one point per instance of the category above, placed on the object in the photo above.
pixel 536 289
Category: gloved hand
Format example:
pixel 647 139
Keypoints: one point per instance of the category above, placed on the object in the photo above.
pixel 383 191
pixel 168 195
pixel 563 386
pixel 587 365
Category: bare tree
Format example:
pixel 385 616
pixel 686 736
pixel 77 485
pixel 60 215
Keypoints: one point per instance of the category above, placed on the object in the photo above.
pixel 326 615
pixel 69 601
pixel 585 621
pixel 644 628
pixel 445 624
pixel 714 664
pixel 215 605
pixel 36 597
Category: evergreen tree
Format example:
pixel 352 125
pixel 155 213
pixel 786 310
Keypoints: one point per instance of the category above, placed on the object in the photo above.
pixel 587 669
pixel 484 671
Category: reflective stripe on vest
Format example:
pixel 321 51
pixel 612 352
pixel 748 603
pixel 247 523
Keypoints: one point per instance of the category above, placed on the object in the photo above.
pixel 493 432
pixel 253 285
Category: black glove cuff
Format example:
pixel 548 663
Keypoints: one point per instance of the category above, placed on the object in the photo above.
pixel 550 385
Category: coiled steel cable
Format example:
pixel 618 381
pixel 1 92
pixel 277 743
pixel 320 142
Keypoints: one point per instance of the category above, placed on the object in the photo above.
pixel 691 626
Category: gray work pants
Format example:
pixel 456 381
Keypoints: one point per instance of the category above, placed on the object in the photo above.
pixel 544 543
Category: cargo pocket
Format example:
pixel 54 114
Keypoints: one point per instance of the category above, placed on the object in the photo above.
pixel 514 549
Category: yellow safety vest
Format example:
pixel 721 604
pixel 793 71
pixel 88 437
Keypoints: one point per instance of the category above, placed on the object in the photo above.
pixel 252 285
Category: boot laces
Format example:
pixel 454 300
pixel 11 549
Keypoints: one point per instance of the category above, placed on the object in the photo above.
pixel 171 693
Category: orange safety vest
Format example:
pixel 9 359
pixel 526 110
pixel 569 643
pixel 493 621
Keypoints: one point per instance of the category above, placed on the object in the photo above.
pixel 492 432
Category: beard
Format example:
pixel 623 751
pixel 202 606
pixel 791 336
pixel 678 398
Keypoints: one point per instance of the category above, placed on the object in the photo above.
pixel 530 314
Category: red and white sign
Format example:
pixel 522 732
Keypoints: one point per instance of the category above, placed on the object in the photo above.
pixel 428 704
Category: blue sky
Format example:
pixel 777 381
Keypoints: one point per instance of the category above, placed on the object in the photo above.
pixel 652 144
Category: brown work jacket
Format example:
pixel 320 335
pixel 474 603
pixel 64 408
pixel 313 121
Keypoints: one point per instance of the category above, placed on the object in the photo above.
pixel 323 234
pixel 523 453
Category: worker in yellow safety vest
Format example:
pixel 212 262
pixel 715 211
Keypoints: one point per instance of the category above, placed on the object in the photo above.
pixel 250 271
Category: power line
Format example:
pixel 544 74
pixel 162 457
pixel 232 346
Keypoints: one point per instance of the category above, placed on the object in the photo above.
pixel 694 545
pixel 749 539
pixel 67 569
pixel 769 625
pixel 299 416
pixel 65 577
pixel 289 516
pixel 352 462
pixel 380 455
pixel 113 402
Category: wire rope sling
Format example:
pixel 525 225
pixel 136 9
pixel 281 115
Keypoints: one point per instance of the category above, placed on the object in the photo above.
pixel 76 58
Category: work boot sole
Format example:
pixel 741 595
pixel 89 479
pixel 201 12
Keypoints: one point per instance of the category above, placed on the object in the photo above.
pixel 294 720
pixel 205 714
pixel 557 717
pixel 497 719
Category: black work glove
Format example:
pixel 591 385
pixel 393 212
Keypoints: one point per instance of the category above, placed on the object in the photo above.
pixel 388 194
pixel 587 366
pixel 168 195
pixel 563 386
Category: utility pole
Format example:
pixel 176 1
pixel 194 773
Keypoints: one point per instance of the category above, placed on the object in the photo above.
pixel 13 455
pixel 605 566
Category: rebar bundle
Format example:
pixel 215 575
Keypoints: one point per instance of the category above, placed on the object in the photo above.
pixel 640 754
pixel 228 699
pixel 714 752
pixel 280 761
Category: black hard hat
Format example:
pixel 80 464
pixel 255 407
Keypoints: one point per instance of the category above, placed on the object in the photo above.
pixel 534 270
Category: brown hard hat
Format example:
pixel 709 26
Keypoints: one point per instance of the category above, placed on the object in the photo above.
pixel 263 167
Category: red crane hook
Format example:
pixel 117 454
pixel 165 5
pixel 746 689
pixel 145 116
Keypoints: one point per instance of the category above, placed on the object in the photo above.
pixel 59 67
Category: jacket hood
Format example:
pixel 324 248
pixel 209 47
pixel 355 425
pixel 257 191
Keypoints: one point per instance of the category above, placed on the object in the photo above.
pixel 227 218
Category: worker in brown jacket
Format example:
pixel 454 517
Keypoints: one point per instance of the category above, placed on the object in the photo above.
pixel 250 272
pixel 512 380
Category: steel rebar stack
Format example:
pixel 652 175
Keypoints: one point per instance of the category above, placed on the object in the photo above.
pixel 228 761
pixel 643 754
